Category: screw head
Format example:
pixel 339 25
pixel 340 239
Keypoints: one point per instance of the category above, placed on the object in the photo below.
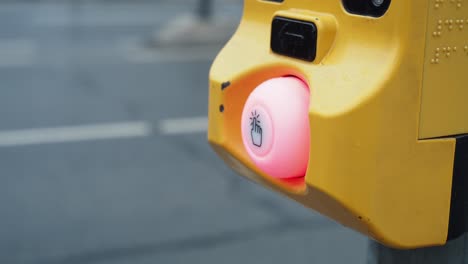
pixel 377 3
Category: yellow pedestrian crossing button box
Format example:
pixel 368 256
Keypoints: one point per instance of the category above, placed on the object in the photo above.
pixel 357 109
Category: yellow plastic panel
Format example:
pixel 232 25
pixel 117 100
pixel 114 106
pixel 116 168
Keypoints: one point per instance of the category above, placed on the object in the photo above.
pixel 367 168
pixel 444 109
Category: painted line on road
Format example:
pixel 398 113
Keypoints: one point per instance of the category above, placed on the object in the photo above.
pixel 17 52
pixel 99 20
pixel 38 136
pixel 141 57
pixel 180 126
pixel 74 133
pixel 134 51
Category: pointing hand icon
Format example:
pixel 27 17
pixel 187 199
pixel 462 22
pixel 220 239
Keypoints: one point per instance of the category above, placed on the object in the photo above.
pixel 256 132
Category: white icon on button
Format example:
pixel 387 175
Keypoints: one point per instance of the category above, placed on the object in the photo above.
pixel 256 132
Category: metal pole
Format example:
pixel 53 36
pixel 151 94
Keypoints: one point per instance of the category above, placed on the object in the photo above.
pixel 454 252
pixel 205 9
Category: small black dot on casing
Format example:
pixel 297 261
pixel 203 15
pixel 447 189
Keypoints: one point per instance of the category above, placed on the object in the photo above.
pixel 221 108
pixel 225 85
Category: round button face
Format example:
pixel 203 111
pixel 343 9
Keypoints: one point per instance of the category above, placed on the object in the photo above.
pixel 275 127
pixel 257 130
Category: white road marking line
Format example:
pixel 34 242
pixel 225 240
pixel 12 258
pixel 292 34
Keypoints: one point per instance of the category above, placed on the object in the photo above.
pixel 17 52
pixel 183 126
pixel 135 52
pixel 74 133
pixel 99 18
pixel 141 57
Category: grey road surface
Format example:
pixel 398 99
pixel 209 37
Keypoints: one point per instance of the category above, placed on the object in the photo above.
pixel 117 188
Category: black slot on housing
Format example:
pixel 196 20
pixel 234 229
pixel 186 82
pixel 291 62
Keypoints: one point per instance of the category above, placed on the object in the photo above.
pixel 294 38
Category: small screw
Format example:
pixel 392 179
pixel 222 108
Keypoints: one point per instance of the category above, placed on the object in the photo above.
pixel 377 3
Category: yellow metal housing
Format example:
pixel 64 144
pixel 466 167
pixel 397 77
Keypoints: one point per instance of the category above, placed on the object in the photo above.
pixel 376 93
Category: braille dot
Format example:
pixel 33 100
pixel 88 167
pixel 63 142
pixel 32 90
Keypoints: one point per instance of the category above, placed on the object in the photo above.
pixel 439 33
pixel 454 48
pixel 448 54
pixel 459 5
pixel 437 60
pixel 437 49
pixel 436 6
pixel 432 61
pixel 439 22
pixel 437 55
pixel 450 27
pixel 444 49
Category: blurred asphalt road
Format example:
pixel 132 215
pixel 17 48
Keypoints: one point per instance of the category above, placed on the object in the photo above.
pixel 123 185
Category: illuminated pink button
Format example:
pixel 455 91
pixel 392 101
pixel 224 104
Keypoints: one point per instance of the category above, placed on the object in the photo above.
pixel 275 127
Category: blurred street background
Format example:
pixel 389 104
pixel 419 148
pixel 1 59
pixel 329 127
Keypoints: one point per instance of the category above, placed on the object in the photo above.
pixel 103 152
